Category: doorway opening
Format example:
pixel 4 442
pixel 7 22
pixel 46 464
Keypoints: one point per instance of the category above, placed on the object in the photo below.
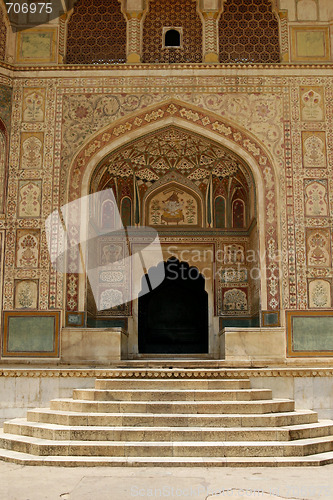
pixel 173 318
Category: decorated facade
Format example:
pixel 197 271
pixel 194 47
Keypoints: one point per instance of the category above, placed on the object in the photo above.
pixel 209 121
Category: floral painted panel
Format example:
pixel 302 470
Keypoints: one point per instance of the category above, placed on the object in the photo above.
pixel 312 104
pixel 314 149
pixel 318 247
pixel 316 197
pixel 320 294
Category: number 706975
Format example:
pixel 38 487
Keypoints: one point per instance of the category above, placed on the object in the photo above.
pixel 31 8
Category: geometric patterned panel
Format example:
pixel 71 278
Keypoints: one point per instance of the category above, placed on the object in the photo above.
pixel 96 33
pixel 172 13
pixel 249 32
pixel 3 35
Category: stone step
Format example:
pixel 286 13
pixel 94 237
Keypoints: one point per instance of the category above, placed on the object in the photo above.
pixel 43 447
pixel 168 418
pixel 170 407
pixel 57 432
pixel 180 383
pixel 172 395
pixel 71 418
pixel 18 458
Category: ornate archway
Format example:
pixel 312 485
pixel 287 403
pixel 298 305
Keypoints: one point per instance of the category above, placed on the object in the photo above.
pixel 208 125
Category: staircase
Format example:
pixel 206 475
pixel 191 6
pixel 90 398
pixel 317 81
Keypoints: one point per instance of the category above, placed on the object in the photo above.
pixel 169 418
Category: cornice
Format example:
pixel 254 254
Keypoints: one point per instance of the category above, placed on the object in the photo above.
pixel 184 67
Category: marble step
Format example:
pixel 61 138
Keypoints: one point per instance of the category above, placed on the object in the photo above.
pixel 71 418
pixel 170 407
pixel 43 447
pixel 180 383
pixel 58 432
pixel 172 395
pixel 19 458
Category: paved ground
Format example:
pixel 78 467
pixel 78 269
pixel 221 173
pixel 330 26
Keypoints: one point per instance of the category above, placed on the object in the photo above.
pixel 51 483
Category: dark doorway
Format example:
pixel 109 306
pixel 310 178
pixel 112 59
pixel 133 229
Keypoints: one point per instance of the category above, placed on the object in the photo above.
pixel 173 318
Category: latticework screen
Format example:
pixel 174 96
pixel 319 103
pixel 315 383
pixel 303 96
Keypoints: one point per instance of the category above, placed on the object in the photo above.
pixel 3 35
pixel 249 32
pixel 172 13
pixel 96 33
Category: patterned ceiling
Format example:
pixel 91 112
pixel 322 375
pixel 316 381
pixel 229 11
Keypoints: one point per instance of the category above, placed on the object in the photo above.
pixel 171 149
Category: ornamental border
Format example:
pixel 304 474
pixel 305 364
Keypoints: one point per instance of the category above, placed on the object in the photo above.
pixel 160 373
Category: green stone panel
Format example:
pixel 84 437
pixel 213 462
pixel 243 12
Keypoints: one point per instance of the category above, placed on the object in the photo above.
pixel 313 333
pixel 271 319
pixel 31 334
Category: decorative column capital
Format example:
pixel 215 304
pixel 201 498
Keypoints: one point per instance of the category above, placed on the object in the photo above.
pixel 211 6
pixel 134 15
pixel 210 14
pixel 134 5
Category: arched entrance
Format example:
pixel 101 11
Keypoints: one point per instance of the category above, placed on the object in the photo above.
pixel 201 197
pixel 173 318
pixel 191 118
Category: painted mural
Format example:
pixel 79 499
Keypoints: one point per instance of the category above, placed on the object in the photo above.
pixel 173 207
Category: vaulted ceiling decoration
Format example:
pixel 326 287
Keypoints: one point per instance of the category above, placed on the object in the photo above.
pixel 172 149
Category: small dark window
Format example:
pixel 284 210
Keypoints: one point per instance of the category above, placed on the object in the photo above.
pixel 172 38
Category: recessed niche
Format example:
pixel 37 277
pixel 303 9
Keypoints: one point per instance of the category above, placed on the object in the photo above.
pixel 172 38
